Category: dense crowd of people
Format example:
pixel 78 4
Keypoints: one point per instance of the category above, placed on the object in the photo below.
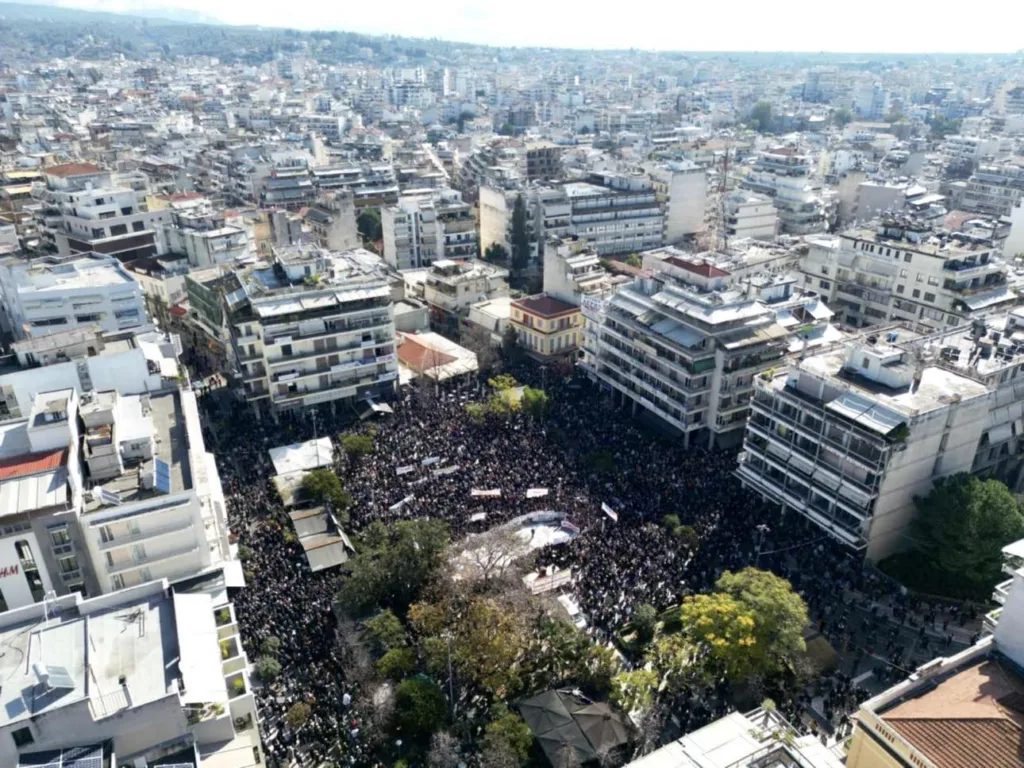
pixel 617 564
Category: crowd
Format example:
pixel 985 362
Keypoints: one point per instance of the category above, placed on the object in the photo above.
pixel 617 565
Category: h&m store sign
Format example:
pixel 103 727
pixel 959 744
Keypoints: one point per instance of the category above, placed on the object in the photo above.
pixel 8 570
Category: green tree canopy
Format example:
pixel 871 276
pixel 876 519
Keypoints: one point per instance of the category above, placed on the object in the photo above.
pixel 297 715
pixel 356 445
pixel 634 261
pixel 842 117
pixel 520 235
pixel 645 620
pixel 369 225
pixel 633 691
pixel 419 706
pixel 385 632
pixel 393 564
pixel 496 253
pixel 780 615
pixel 722 630
pixel 267 668
pixel 535 402
pixel 964 523
pixel 507 732
pixel 323 486
pixel 762 116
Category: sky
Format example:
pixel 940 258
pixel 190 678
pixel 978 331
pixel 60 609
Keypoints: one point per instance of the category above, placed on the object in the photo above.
pixel 867 26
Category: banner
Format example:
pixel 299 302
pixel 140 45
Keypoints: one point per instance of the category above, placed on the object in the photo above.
pixel 570 528
pixel 398 505
pixel 536 493
pixel 405 470
pixel 445 470
pixel 431 460
pixel 478 517
pixel 494 493
pixel 610 512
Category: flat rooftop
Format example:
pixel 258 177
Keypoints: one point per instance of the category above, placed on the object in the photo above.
pixel 80 275
pixel 167 422
pixel 136 640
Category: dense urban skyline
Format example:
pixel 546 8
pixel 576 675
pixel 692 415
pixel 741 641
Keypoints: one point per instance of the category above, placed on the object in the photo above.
pixel 804 26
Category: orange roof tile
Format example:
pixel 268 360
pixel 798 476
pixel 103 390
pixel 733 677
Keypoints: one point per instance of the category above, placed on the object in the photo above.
pixel 32 463
pixel 72 169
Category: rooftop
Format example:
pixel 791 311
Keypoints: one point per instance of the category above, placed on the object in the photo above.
pixel 133 639
pixel 72 169
pixel 545 306
pixel 164 419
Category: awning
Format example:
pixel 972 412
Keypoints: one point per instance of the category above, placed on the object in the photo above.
pixel 999 433
pixel 199 660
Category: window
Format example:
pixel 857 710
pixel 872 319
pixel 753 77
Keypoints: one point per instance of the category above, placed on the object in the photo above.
pixel 903 273
pixel 60 537
pixel 138 226
pixel 126 211
pixel 907 257
pixel 117 581
pixel 22 737
pixel 119 229
pixel 933 280
pixel 929 297
pixel 68 564
pixel 824 270
pixel 899 288
pixel 919 278
pixel 825 284
pixel 916 294
pixel 286 350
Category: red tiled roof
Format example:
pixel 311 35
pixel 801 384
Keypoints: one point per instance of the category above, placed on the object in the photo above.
pixel 964 743
pixel 32 463
pixel 71 169
pixel 418 356
pixel 178 310
pixel 703 269
pixel 545 306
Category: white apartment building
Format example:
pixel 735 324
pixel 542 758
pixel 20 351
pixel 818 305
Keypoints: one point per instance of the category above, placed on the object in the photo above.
pixel 901 270
pixel 682 188
pixel 137 678
pixel 682 345
pixel 783 173
pixel 313 327
pixel 85 211
pixel 573 270
pixel 994 190
pixel 332 219
pixel 748 214
pixel 972 149
pixel 107 482
pixel 425 228
pixel 40 298
pixel 451 287
pixel 850 436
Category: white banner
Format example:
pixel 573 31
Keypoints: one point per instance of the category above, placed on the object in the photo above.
pixel 398 505
pixel 478 517
pixel 430 460
pixel 405 470
pixel 536 493
pixel 610 512
pixel 445 470
pixel 494 493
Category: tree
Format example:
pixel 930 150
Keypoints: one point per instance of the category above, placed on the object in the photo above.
pixel 672 656
pixel 297 715
pixel 761 117
pixel 535 402
pixel 369 225
pixel 486 645
pixel 492 555
pixel 508 733
pixel 520 236
pixel 509 341
pixel 356 445
pixel 385 632
pixel 502 382
pixel 444 751
pixel 323 486
pixel 722 629
pixel 962 526
pixel 270 646
pixel 780 615
pixel 267 668
pixel 645 621
pixel 634 261
pixel 600 666
pixel 419 706
pixel 842 117
pixel 496 253
pixel 393 564
pixel 941 127
pixel 506 130
pixel 633 691
pixel 396 663
pixel 476 411
pixel 478 341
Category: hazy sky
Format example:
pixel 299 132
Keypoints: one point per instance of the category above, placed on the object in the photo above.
pixel 740 25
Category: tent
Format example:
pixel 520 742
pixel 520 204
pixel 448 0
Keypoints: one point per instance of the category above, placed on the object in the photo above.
pixel 561 721
pixel 558 741
pixel 545 712
pixel 603 728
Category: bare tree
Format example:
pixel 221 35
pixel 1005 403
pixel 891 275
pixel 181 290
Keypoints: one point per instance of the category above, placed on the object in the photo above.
pixel 650 727
pixel 478 341
pixel 444 751
pixel 492 555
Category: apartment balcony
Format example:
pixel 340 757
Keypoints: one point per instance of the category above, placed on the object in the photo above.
pixel 282 377
pixel 178 526
pixel 335 390
pixel 298 357
pixel 965 269
pixel 1002 591
pixel 286 336
pixel 991 619
pixel 185 550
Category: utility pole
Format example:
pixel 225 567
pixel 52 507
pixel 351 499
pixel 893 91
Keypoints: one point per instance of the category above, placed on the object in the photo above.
pixel 762 529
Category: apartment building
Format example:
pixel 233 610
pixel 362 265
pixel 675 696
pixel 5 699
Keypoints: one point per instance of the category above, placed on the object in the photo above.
pixel 38 298
pixel 137 678
pixel 971 149
pixel 423 229
pixel 683 345
pixel 543 160
pixel 682 189
pixel 451 287
pixel 332 219
pixel 313 327
pixel 901 269
pixel 83 210
pixel 784 174
pixel 748 214
pixel 848 437
pixel 958 710
pixel 994 190
pixel 573 270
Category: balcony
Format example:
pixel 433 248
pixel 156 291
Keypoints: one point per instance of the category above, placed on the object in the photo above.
pixel 1002 591
pixel 179 526
pixel 296 357
pixel 991 620
pixel 151 559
